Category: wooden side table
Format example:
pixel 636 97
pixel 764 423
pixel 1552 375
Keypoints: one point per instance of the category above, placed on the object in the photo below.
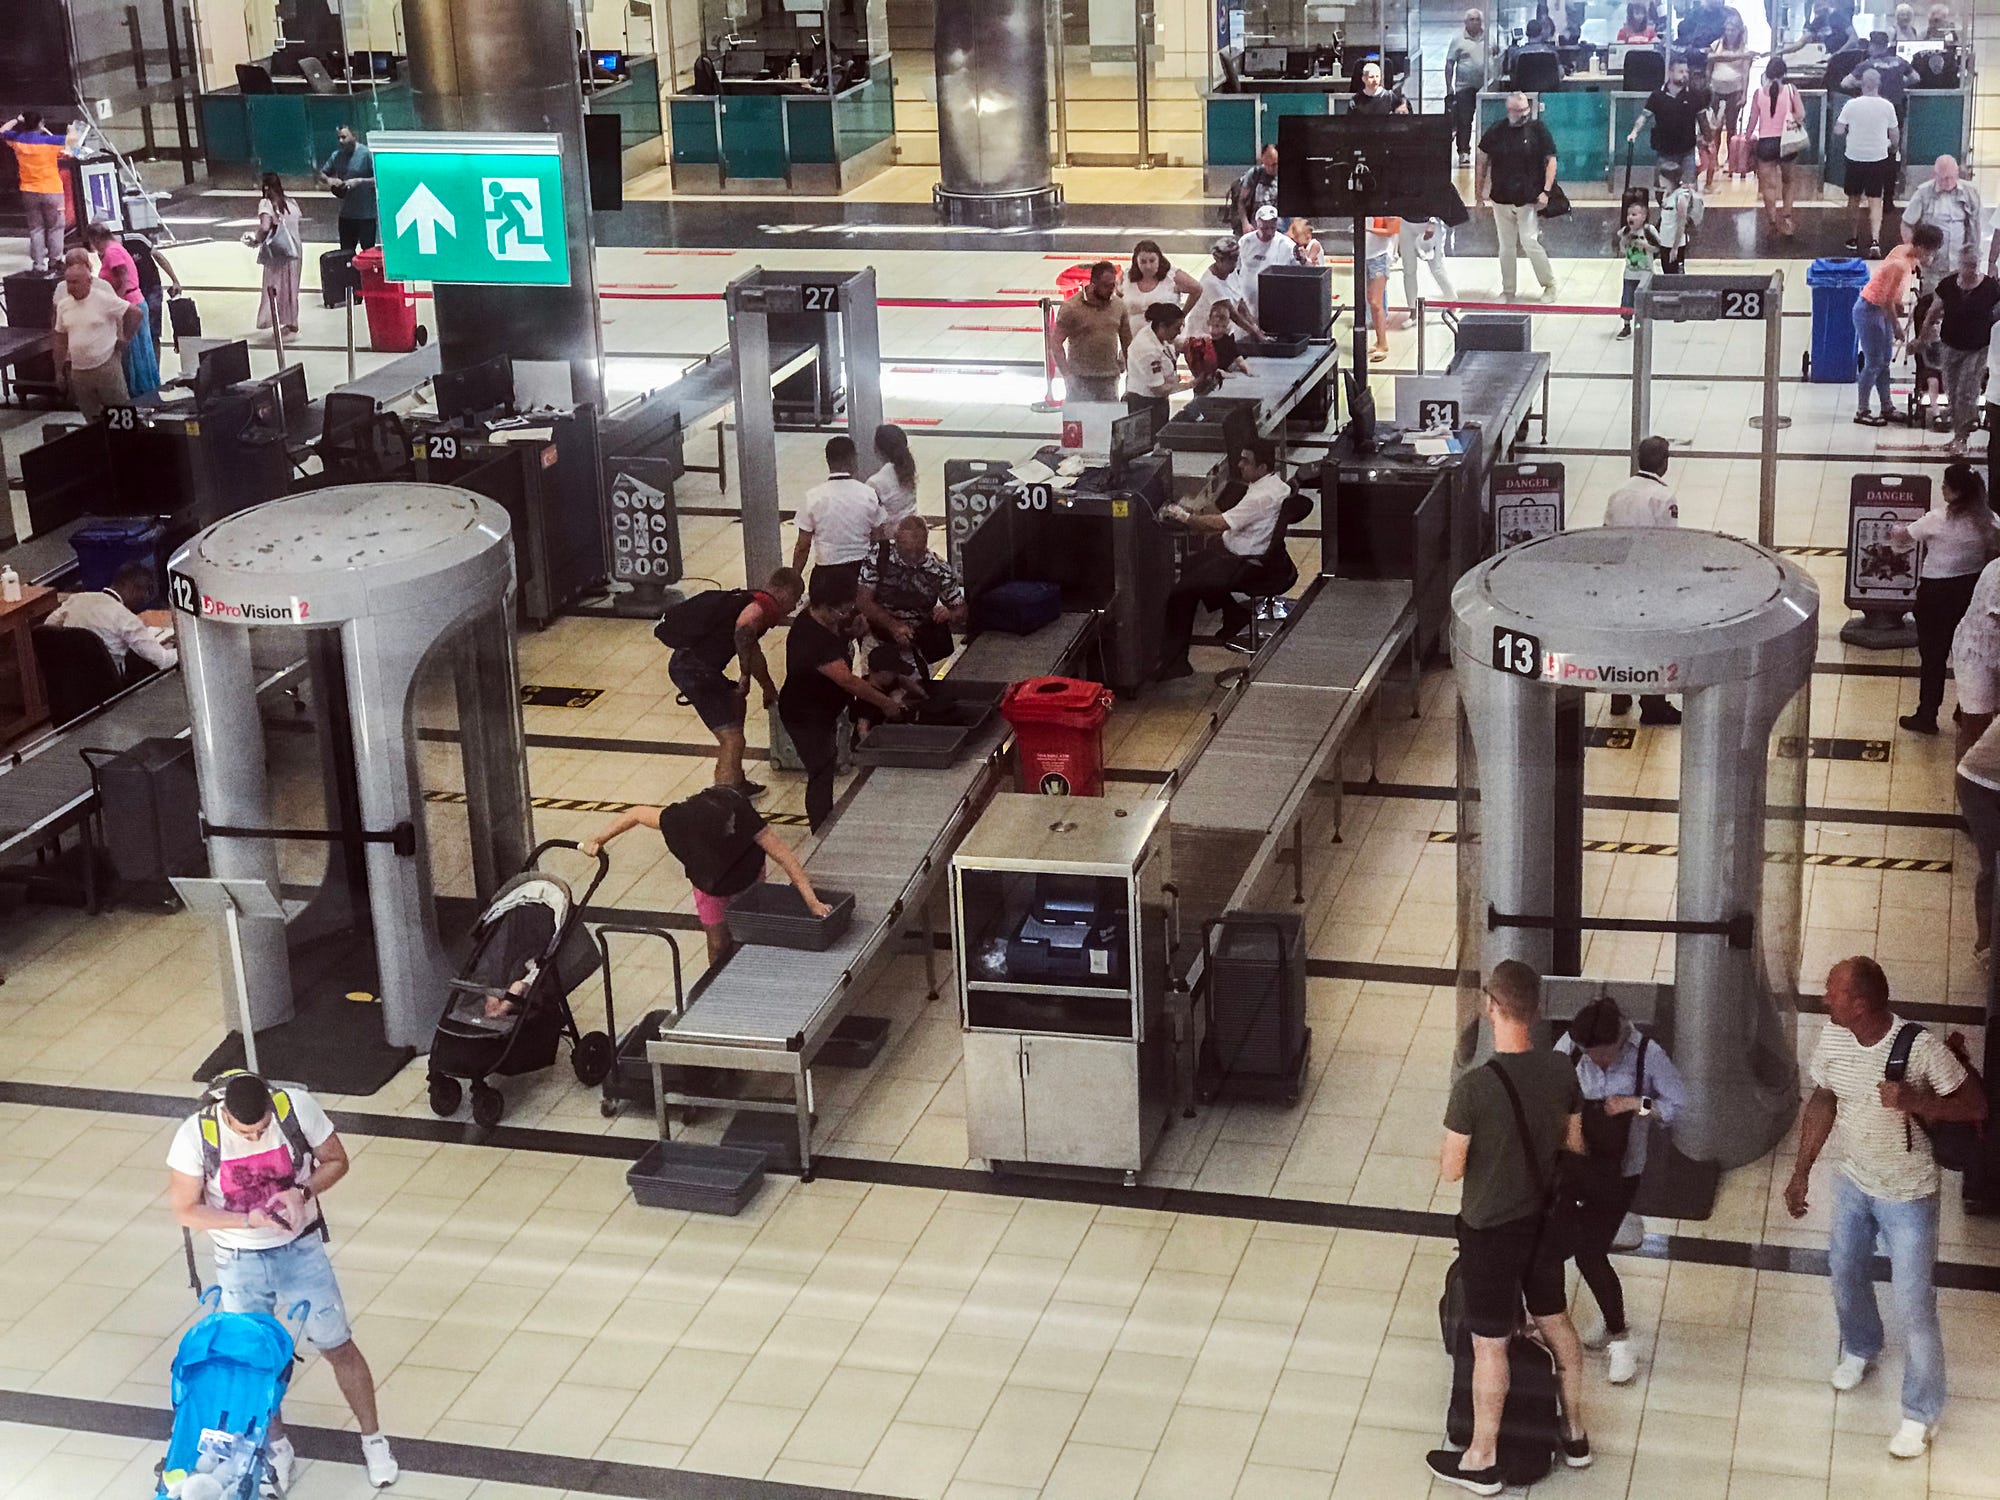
pixel 24 701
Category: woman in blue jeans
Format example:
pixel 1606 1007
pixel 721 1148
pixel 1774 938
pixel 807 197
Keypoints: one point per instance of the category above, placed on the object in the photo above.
pixel 1878 318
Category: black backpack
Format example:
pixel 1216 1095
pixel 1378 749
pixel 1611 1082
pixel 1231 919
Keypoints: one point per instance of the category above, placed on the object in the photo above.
pixel 698 619
pixel 714 836
pixel 1955 1144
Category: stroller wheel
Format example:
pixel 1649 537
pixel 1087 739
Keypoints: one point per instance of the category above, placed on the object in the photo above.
pixel 591 1058
pixel 445 1096
pixel 487 1105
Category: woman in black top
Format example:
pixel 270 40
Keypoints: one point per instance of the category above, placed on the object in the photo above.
pixel 1963 314
pixel 819 682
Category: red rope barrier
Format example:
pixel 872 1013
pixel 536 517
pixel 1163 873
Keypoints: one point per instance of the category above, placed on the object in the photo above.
pixel 1541 307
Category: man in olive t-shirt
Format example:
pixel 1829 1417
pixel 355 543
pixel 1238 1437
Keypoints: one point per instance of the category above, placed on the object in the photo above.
pixel 1506 1254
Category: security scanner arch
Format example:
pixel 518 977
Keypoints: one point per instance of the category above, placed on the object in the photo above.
pixel 380 584
pixel 1730 627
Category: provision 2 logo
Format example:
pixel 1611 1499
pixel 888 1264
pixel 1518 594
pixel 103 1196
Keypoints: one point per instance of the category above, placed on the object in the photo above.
pixel 1569 672
pixel 250 614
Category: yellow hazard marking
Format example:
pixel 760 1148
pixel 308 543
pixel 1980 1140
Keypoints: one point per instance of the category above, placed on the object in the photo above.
pixel 1822 861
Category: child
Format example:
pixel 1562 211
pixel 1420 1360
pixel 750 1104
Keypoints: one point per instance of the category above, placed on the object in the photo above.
pixel 1927 354
pixel 1709 143
pixel 890 671
pixel 1213 354
pixel 1681 210
pixel 1639 245
pixel 1311 252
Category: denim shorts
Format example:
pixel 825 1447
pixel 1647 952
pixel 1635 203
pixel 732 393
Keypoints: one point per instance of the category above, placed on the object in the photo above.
pixel 1378 266
pixel 273 1281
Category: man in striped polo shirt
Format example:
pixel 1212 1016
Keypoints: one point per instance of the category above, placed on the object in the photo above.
pixel 1887 1183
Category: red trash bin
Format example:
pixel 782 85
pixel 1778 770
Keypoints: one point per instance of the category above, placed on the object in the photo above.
pixel 391 306
pixel 1058 725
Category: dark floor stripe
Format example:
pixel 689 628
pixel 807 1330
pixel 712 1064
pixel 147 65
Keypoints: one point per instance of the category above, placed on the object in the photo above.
pixel 583 1476
pixel 1873 816
pixel 1862 669
pixel 1934 455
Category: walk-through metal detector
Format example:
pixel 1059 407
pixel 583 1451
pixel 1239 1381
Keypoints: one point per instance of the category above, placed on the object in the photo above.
pixel 372 584
pixel 1731 628
pixel 807 349
pixel 1758 298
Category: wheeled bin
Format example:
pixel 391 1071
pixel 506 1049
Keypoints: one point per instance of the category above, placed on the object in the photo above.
pixel 1058 725
pixel 391 307
pixel 1835 283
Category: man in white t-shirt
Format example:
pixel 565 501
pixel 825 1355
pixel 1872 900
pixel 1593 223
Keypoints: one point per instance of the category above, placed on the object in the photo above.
pixel 838 523
pixel 1887 1183
pixel 1210 575
pixel 1870 134
pixel 93 325
pixel 1645 500
pixel 1262 247
pixel 250 1169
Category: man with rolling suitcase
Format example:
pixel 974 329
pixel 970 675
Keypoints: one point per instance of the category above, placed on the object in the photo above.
pixel 1505 1127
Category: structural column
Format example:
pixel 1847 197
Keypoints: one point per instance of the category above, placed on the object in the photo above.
pixel 512 65
pixel 993 111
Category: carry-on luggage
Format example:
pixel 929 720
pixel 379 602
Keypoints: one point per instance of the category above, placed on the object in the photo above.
pixel 1531 1421
pixel 338 279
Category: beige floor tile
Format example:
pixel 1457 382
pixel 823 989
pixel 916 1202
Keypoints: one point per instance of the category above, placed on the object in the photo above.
pixel 1022 1436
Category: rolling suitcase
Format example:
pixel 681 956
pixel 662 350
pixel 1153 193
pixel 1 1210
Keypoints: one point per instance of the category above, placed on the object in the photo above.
pixel 184 318
pixel 1531 1421
pixel 337 278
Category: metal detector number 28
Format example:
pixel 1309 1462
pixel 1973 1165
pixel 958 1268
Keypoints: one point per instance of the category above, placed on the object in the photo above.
pixel 1743 305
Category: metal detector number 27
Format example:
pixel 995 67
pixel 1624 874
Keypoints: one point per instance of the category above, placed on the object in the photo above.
pixel 1743 305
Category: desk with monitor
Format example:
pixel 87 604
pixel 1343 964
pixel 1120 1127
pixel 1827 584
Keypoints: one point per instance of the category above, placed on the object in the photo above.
pixel 1271 80
pixel 760 131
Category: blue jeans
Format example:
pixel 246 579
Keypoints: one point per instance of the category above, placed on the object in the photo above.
pixel 273 1281
pixel 1910 1233
pixel 1876 330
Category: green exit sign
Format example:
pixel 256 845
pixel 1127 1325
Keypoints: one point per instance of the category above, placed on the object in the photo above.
pixel 472 207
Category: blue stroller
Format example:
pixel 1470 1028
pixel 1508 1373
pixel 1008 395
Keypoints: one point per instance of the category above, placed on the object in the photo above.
pixel 230 1376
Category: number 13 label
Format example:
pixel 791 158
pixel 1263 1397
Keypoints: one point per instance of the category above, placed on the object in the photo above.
pixel 1516 652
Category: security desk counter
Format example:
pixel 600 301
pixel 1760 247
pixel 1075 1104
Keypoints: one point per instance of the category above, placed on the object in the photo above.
pixel 1099 538
pixel 780 136
pixel 1288 392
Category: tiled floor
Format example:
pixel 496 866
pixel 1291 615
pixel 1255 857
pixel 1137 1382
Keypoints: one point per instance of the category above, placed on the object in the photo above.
pixel 930 1341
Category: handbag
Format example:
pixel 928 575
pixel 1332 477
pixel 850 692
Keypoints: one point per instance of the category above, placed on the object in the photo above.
pixel 1793 139
pixel 280 245
pixel 1558 204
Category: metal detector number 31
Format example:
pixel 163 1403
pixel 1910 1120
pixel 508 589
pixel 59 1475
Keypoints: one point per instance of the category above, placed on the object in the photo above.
pixel 1743 305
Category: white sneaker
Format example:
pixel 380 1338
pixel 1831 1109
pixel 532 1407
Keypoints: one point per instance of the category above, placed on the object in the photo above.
pixel 1911 1439
pixel 280 1462
pixel 1624 1363
pixel 1850 1372
pixel 1548 294
pixel 382 1470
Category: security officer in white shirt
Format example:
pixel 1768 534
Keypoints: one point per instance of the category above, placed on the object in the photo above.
pixel 1211 575
pixel 108 615
pixel 838 523
pixel 1645 500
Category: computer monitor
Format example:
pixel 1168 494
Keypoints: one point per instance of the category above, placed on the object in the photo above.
pixel 1263 62
pixel 743 63
pixel 1298 62
pixel 607 64
pixel 221 367
pixel 1131 438
pixel 372 64
pixel 476 389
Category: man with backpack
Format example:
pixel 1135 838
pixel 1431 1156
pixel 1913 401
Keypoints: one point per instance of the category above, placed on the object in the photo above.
pixel 722 843
pixel 705 633
pixel 249 1167
pixel 1505 1126
pixel 1901 1098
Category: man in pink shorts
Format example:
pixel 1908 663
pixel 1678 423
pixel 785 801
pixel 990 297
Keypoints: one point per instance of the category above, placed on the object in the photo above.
pixel 721 842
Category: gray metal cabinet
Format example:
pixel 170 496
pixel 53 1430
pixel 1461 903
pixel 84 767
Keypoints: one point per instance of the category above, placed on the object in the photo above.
pixel 1061 924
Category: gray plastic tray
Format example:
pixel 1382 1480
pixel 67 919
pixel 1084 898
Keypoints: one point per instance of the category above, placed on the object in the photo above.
pixel 703 1179
pixel 926 747
pixel 773 913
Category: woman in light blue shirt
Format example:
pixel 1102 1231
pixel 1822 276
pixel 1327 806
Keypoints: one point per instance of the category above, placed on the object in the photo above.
pixel 1628 1082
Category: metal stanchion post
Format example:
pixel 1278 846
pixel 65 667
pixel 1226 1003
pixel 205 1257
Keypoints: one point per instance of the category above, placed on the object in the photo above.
pixel 350 335
pixel 1420 335
pixel 1048 403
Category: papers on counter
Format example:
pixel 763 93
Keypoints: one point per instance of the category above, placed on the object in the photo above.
pixel 1034 471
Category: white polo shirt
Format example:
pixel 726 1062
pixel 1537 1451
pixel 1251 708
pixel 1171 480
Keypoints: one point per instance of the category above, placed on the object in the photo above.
pixel 1253 519
pixel 1254 253
pixel 841 516
pixel 1642 500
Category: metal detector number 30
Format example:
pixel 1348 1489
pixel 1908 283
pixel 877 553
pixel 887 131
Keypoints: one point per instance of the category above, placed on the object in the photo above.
pixel 1743 305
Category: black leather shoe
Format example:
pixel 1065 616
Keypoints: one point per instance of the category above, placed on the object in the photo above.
pixel 1443 1463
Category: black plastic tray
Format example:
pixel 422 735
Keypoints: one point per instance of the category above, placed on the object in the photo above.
pixel 774 914
pixel 703 1179
pixel 926 747
pixel 1288 348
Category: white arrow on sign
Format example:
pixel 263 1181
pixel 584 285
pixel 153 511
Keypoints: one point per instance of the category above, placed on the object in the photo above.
pixel 423 210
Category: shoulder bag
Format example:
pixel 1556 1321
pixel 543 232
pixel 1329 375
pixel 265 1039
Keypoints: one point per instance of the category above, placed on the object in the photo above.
pixel 1793 139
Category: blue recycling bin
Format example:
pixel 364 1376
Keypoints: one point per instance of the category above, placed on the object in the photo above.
pixel 1835 284
pixel 103 547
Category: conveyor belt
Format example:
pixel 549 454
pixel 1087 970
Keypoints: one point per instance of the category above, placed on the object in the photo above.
pixel 1498 391
pixel 767 1010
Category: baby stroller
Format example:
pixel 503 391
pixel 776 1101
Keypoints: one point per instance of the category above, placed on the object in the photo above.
pixel 230 1376
pixel 506 1013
